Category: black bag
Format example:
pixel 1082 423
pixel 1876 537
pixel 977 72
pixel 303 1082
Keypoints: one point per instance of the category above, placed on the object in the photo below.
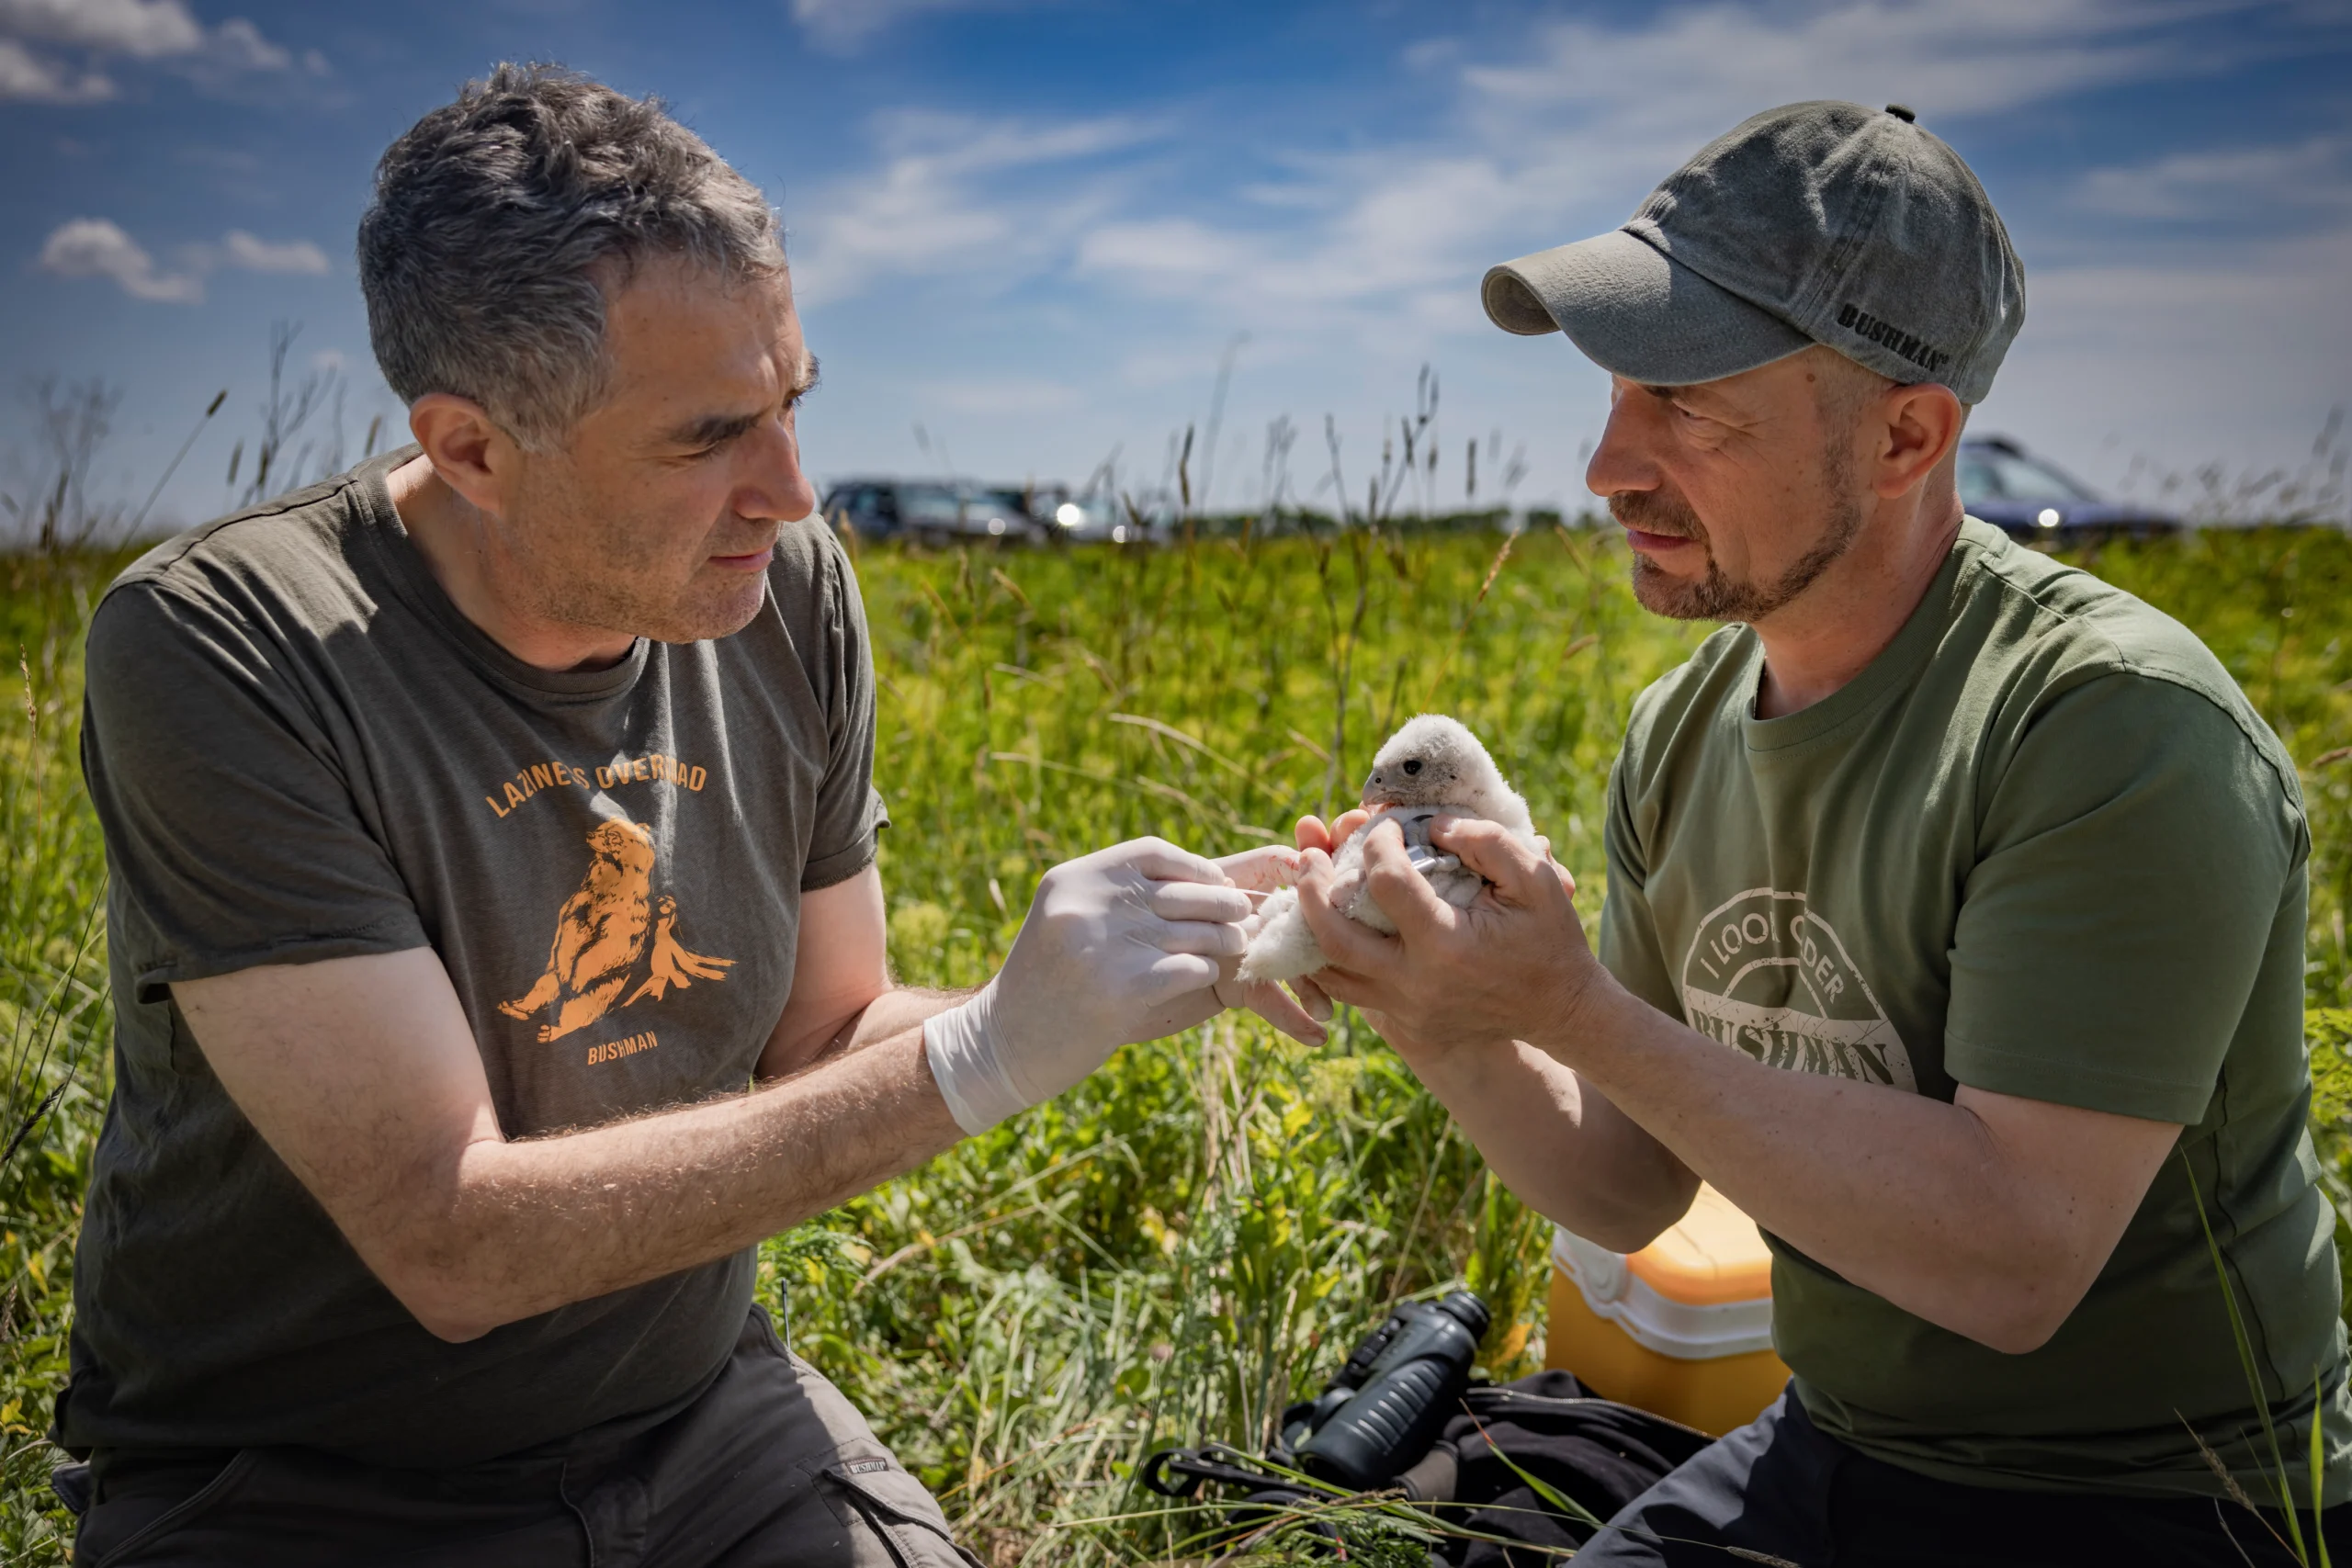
pixel 1594 1453
pixel 1597 1453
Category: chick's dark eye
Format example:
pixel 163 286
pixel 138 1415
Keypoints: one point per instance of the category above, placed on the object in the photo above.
pixel 1414 766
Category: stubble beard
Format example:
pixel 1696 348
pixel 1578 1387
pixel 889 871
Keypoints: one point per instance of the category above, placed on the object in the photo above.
pixel 590 568
pixel 1716 596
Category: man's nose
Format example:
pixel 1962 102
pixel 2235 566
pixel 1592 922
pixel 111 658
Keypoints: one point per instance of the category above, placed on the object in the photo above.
pixel 1622 460
pixel 771 485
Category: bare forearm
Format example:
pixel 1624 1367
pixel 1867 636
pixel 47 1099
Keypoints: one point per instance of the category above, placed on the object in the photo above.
pixel 1990 1216
pixel 897 1009
pixel 534 1225
pixel 1906 1196
pixel 1560 1144
pixel 796 1047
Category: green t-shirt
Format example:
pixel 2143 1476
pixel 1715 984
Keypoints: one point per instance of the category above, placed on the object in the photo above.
pixel 2041 845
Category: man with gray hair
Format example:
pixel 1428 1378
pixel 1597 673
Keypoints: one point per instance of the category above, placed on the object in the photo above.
pixel 483 824
pixel 1953 928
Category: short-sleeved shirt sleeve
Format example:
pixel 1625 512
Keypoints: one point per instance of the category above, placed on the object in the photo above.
pixel 2041 846
pixel 850 813
pixel 233 837
pixel 300 749
pixel 2136 851
pixel 1629 947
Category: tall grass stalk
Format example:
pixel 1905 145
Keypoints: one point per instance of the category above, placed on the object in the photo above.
pixel 2278 1473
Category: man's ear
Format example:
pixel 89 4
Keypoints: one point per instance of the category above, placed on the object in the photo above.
pixel 468 450
pixel 1919 426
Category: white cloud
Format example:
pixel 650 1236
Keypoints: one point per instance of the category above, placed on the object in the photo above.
pixel 1555 143
pixel 1171 255
pixel 841 26
pixel 929 211
pixel 1350 269
pixel 238 45
pixel 2234 351
pixel 2206 186
pixel 97 247
pixel 92 247
pixel 160 31
pixel 1562 140
pixel 148 29
pixel 25 77
pixel 1001 396
pixel 1959 58
pixel 243 250
pixel 1402 233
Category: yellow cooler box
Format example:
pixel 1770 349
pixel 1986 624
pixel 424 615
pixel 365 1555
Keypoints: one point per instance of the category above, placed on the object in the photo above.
pixel 1682 1327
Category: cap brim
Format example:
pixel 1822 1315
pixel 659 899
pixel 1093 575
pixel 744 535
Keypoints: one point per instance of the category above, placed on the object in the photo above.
pixel 1636 312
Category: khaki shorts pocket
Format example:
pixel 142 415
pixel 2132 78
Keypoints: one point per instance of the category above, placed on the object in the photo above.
pixel 893 1505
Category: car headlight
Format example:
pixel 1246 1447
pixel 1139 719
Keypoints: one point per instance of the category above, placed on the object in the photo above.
pixel 2047 517
pixel 1069 514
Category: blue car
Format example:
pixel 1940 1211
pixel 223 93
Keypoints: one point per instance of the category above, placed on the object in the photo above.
pixel 933 511
pixel 2000 484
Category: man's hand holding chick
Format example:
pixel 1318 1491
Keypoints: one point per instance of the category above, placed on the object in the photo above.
pixel 1513 964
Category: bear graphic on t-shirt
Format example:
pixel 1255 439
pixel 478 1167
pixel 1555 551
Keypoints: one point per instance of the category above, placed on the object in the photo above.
pixel 614 929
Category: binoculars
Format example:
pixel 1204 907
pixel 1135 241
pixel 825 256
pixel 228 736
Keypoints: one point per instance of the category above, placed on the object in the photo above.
pixel 1385 1407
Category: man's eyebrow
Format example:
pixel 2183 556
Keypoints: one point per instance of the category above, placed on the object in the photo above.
pixel 710 429
pixel 1663 394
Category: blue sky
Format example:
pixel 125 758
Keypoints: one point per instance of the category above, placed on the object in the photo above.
pixel 1035 229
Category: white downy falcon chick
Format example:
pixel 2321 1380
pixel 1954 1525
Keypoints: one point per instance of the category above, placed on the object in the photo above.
pixel 1430 770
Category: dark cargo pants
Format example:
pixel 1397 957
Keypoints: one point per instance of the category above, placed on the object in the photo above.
pixel 769 1466
pixel 1780 1489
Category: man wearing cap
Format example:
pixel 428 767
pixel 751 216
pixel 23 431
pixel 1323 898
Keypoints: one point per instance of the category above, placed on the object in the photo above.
pixel 1954 922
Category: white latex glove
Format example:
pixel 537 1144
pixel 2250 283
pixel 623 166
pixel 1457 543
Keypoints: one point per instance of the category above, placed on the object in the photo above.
pixel 1118 946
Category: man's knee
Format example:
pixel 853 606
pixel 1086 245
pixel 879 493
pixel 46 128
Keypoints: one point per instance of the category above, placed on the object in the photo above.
pixel 808 1482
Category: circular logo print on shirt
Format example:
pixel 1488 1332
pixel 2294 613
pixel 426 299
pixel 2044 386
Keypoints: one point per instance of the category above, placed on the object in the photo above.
pixel 1769 976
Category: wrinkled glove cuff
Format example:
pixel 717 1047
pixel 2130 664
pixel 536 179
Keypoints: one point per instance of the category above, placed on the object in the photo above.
pixel 967 1051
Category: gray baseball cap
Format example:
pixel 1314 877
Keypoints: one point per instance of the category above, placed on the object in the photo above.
pixel 1817 222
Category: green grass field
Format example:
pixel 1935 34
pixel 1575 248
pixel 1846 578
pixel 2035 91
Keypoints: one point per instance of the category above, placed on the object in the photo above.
pixel 1188 1241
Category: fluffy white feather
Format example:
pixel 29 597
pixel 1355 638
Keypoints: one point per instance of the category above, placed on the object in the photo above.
pixel 1431 769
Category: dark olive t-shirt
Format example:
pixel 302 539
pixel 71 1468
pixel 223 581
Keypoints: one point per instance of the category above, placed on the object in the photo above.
pixel 299 750
pixel 2042 846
